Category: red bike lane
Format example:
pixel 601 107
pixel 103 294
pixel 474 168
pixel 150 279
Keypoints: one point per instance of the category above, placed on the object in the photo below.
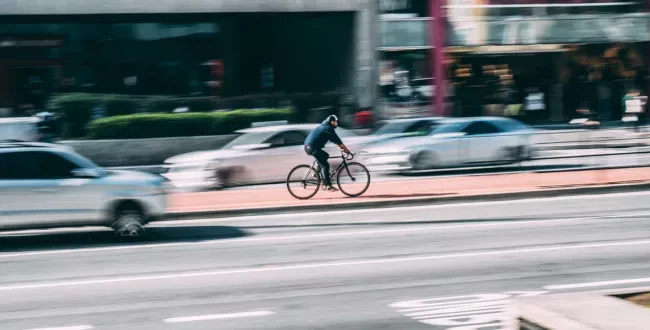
pixel 427 187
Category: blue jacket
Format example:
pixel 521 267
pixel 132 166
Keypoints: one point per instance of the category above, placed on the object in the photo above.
pixel 321 135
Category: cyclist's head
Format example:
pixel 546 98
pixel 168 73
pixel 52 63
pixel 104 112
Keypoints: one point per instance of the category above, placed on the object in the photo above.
pixel 332 120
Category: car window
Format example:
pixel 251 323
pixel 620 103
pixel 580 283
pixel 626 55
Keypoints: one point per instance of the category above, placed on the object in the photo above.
pixel 4 166
pixel 481 127
pixel 36 165
pixel 447 128
pixel 294 138
pixel 285 139
pixel 512 125
pixel 276 140
pixel 394 128
pixel 421 127
pixel 248 139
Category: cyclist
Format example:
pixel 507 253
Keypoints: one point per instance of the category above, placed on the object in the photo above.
pixel 316 141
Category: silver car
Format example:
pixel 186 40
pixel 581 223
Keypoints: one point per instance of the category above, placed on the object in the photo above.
pixel 455 143
pixel 46 186
pixel 257 155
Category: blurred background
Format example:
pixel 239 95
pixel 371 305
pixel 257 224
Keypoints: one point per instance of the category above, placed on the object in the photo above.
pixel 539 61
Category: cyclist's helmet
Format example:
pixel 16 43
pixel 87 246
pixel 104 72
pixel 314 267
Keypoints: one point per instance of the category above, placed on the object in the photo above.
pixel 330 119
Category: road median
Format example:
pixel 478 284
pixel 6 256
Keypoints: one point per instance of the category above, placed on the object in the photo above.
pixel 413 192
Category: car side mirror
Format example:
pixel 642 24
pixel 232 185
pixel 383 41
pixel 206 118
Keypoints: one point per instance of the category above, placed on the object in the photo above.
pixel 86 173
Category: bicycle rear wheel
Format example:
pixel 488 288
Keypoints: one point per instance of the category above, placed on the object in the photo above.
pixel 354 179
pixel 303 182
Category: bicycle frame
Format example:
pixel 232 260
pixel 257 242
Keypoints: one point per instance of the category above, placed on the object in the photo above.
pixel 343 164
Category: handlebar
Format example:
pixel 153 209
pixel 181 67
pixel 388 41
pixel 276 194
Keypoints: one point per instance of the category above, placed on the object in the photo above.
pixel 347 156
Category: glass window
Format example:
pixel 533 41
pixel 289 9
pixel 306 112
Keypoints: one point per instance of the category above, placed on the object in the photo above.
pixel 512 125
pixel 404 33
pixel 4 166
pixel 394 128
pixel 36 165
pixel 423 127
pixel 294 138
pixel 479 128
pixel 450 128
pixel 248 139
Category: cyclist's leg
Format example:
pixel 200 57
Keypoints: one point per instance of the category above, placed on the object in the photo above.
pixel 322 157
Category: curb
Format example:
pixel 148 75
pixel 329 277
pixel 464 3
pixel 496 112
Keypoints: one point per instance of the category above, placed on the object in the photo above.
pixel 598 189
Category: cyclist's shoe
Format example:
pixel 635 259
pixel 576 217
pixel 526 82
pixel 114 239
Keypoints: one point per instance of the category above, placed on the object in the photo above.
pixel 331 189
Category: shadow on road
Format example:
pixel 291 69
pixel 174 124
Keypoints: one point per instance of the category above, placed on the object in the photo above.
pixel 77 239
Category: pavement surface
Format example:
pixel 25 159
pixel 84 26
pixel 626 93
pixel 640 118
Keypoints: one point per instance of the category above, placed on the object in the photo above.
pixel 390 191
pixel 449 266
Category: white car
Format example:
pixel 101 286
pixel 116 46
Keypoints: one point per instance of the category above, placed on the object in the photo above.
pixel 45 186
pixel 257 155
pixel 454 143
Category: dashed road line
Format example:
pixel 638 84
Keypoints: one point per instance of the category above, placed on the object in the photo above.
pixel 58 284
pixel 597 284
pixel 217 316
pixel 74 327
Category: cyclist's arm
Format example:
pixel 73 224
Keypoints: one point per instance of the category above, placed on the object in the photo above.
pixel 337 140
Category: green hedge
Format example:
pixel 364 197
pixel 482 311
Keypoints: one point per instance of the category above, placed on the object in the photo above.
pixel 154 125
pixel 78 107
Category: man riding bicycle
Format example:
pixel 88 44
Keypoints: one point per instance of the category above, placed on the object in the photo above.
pixel 316 141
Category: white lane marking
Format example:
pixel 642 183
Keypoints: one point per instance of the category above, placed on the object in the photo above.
pixel 318 265
pixel 75 327
pixel 324 235
pixel 217 316
pixel 597 284
pixel 402 208
pixel 476 311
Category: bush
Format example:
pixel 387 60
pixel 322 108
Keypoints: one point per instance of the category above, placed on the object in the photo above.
pixel 78 108
pixel 155 125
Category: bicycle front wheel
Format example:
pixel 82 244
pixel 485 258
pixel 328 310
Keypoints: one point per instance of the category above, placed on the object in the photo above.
pixel 353 180
pixel 303 182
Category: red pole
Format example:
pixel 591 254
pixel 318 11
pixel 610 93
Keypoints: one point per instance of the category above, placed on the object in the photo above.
pixel 437 35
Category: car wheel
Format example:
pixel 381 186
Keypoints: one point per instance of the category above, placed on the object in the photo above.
pixel 423 161
pixel 129 221
pixel 514 155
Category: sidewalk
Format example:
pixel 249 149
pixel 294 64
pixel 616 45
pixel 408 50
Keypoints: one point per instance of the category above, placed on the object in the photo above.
pixel 410 190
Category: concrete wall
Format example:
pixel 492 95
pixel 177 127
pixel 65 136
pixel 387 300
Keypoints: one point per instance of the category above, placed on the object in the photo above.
pixel 145 151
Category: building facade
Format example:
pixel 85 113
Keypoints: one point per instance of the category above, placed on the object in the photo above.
pixel 222 48
pixel 486 57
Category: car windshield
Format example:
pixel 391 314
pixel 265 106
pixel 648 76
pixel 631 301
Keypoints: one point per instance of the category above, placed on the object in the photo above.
pixel 513 125
pixel 80 160
pixel 394 128
pixel 248 139
pixel 447 128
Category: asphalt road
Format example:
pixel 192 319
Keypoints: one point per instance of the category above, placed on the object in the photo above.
pixel 420 267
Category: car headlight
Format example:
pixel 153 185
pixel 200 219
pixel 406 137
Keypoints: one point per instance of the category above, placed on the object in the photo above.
pixel 195 166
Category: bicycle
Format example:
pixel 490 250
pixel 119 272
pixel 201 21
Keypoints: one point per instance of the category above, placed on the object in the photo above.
pixel 309 177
